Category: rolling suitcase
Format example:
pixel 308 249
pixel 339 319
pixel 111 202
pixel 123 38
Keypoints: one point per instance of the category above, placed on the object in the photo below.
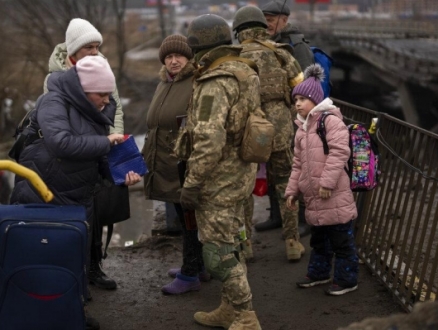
pixel 43 250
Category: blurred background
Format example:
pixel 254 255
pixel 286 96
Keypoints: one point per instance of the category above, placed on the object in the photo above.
pixel 133 30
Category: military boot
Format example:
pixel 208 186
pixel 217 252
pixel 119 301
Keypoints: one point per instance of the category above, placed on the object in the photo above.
pixel 274 220
pixel 294 249
pixel 223 316
pixel 245 320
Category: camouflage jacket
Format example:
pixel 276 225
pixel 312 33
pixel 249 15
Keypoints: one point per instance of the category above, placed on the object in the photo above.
pixel 59 62
pixel 279 73
pixel 217 116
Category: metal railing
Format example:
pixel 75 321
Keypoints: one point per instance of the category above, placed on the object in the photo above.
pixel 397 227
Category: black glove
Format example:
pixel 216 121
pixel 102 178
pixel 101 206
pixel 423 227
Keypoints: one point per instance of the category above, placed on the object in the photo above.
pixel 189 198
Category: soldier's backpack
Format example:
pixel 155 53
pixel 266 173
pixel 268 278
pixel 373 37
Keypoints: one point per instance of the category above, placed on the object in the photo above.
pixel 326 62
pixel 258 134
pixel 363 164
pixel 302 47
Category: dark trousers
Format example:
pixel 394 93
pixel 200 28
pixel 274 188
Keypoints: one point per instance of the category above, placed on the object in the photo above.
pixel 96 254
pixel 337 240
pixel 192 248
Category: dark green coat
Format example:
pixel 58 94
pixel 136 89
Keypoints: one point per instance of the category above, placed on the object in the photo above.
pixel 171 99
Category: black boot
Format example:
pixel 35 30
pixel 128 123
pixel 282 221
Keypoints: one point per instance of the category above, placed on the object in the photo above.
pixel 274 220
pixel 303 226
pixel 97 277
pixel 90 322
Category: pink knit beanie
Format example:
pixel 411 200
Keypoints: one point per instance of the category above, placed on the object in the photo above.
pixel 95 75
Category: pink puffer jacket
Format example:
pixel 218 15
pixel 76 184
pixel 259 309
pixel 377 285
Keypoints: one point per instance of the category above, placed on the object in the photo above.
pixel 312 169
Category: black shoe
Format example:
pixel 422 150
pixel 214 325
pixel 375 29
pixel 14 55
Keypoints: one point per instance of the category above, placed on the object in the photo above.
pixel 89 297
pixel 303 229
pixel 99 278
pixel 91 323
pixel 268 224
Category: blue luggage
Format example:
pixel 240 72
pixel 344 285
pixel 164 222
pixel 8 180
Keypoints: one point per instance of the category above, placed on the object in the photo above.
pixel 43 251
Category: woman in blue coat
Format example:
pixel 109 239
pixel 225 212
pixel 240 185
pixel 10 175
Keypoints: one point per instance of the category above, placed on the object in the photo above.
pixel 72 122
pixel 69 138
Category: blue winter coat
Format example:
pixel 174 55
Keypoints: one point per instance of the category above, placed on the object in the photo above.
pixel 74 142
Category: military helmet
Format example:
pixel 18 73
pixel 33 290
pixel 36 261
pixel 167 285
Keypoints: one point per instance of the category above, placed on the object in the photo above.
pixel 249 15
pixel 208 31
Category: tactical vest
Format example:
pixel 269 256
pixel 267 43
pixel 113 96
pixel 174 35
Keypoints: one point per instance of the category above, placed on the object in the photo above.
pixel 273 79
pixel 236 121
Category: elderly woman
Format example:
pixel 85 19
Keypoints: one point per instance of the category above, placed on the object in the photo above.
pixel 70 139
pixel 162 183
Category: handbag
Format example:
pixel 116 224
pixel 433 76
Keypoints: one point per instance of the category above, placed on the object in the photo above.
pixel 125 157
pixel 111 205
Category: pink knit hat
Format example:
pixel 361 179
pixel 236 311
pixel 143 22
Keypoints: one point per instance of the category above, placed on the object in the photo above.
pixel 95 75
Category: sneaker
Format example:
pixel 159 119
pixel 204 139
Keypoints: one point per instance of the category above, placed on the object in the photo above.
pixel 336 290
pixel 204 276
pixel 97 277
pixel 182 284
pixel 307 282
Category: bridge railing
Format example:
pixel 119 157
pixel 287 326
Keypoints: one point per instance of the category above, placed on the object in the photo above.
pixel 368 27
pixel 397 227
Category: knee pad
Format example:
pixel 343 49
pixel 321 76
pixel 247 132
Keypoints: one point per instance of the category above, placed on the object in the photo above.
pixel 211 253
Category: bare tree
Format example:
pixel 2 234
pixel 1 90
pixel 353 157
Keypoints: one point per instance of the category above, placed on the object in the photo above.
pixel 40 25
pixel 119 8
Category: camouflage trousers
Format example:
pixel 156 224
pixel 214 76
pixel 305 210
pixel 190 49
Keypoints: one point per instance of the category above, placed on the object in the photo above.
pixel 278 169
pixel 220 226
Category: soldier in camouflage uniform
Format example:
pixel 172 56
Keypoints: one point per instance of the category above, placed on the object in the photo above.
pixel 217 181
pixel 279 73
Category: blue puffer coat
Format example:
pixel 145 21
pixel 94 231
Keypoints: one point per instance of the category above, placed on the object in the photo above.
pixel 74 142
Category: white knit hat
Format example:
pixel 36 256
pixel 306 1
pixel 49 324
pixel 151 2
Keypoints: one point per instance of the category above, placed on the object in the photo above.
pixel 95 75
pixel 80 33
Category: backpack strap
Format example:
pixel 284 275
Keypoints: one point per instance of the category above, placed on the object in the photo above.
pixel 320 130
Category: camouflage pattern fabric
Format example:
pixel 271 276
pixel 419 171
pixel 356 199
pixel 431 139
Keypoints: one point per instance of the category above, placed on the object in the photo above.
pixel 278 169
pixel 278 111
pixel 216 120
pixel 219 226
pixel 248 211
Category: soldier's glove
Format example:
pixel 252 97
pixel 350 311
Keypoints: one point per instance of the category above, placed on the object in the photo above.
pixel 190 198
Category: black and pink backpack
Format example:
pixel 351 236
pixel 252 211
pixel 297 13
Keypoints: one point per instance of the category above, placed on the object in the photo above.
pixel 363 164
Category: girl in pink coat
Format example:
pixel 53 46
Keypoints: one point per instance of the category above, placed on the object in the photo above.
pixel 325 185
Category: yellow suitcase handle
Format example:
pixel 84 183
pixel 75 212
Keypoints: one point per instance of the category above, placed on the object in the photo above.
pixel 30 175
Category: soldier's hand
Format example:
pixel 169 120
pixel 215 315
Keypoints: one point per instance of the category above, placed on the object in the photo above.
pixel 291 203
pixel 190 198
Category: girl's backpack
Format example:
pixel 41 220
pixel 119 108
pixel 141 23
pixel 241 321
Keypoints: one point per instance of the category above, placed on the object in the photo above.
pixel 363 164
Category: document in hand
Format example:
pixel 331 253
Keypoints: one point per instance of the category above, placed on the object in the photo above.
pixel 125 157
